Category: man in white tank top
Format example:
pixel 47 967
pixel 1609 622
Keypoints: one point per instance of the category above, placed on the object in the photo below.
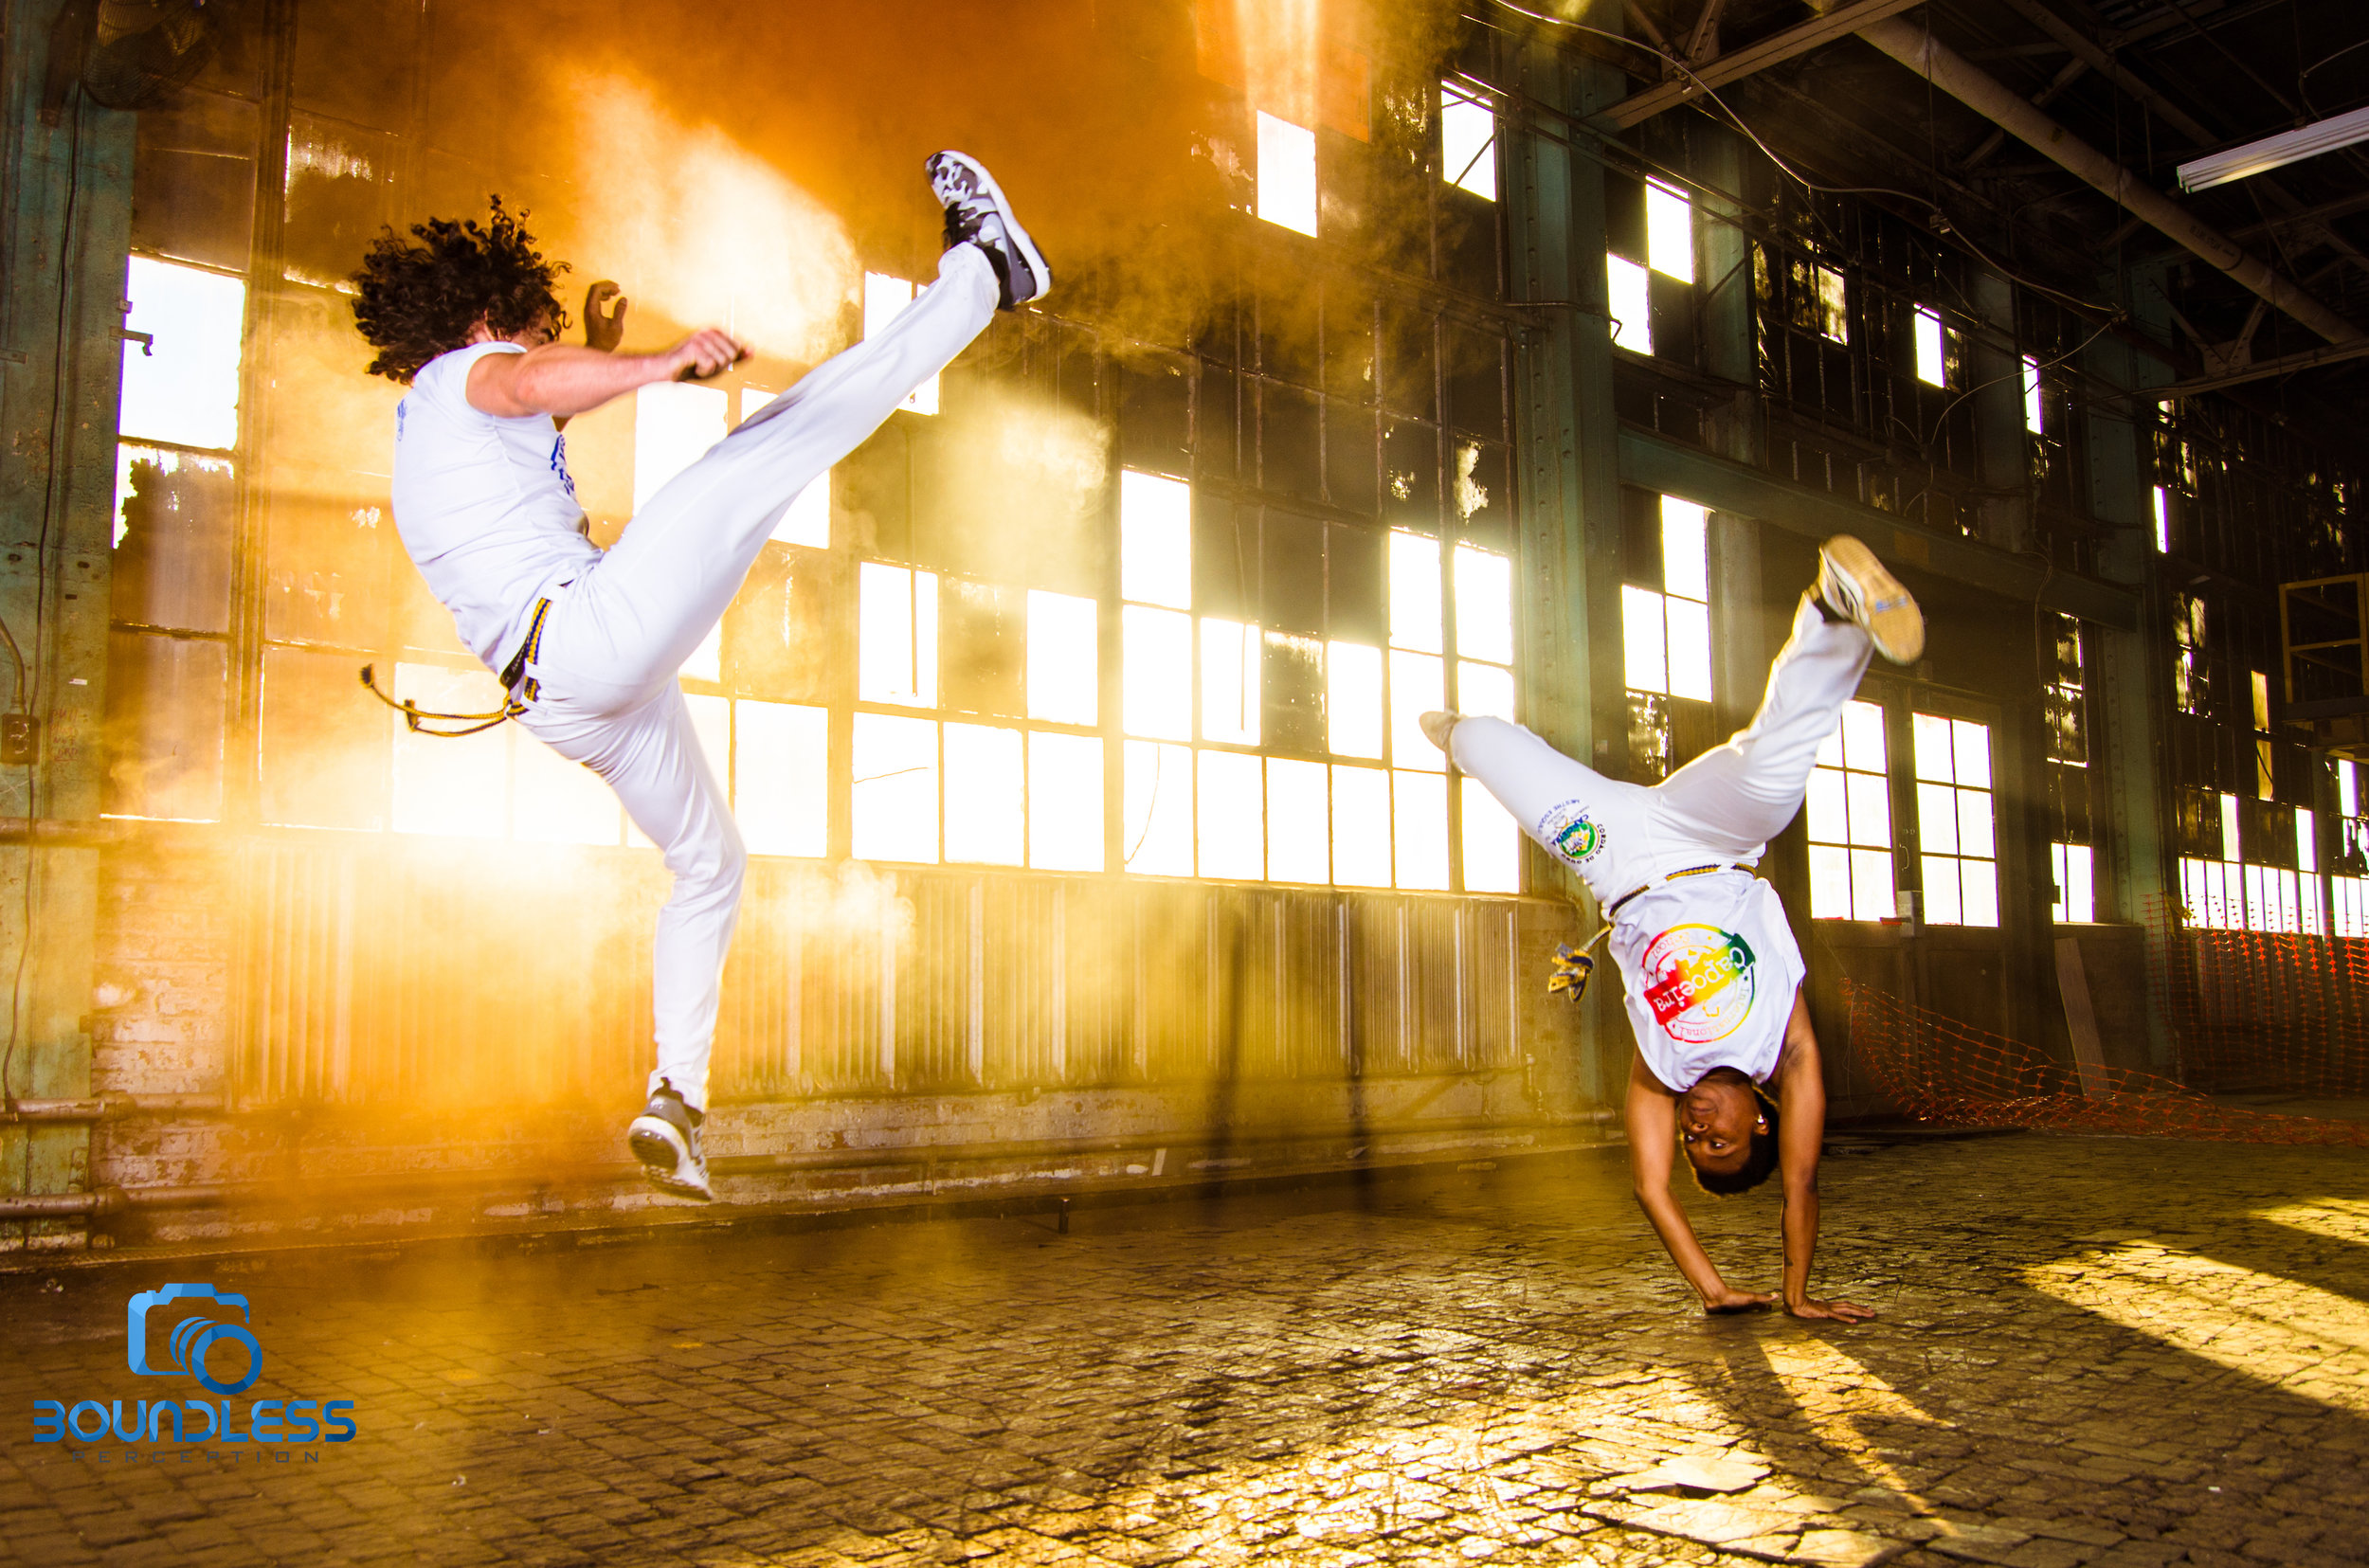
pixel 588 644
pixel 1727 1067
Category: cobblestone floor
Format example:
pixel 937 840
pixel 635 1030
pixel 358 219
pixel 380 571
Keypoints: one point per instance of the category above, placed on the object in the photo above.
pixel 2091 1351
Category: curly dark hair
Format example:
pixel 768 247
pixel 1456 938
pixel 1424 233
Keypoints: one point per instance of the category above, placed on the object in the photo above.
pixel 1760 1158
pixel 416 301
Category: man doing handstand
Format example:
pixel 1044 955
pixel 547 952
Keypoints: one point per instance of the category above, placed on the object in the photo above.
pixel 1711 973
pixel 589 643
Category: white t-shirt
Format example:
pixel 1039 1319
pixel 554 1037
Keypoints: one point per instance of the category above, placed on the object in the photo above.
pixel 1707 962
pixel 484 505
pixel 1708 967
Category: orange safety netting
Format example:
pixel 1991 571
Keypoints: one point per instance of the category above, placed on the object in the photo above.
pixel 2262 1012
pixel 1938 1070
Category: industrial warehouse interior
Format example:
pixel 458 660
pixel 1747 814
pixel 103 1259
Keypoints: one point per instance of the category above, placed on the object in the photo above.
pixel 726 843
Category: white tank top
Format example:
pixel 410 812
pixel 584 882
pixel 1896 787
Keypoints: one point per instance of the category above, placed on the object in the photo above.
pixel 484 505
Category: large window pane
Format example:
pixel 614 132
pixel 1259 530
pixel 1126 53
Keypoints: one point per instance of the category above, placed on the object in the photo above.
pixel 895 795
pixel 1484 690
pixel 1298 829
pixel 1415 592
pixel 1669 231
pixel 781 777
pixel 674 424
pixel 1690 648
pixel 1417 686
pixel 987 794
pixel 1233 817
pixel 897 636
pixel 1230 695
pixel 1685 549
pixel 1287 173
pixel 1628 296
pixel 1353 709
pixel 1155 540
pixel 1644 628
pixel 1157 832
pixel 1493 841
pixel 1419 819
pixel 1157 671
pixel 1065 802
pixel 183 388
pixel 1360 827
pixel 1064 675
pixel 1484 605
pixel 885 298
pixel 1468 139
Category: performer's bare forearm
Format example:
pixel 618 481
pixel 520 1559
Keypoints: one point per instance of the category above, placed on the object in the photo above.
pixel 1802 1102
pixel 1653 1121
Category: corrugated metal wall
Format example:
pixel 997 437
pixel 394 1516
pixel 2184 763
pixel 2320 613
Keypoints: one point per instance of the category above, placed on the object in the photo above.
pixel 386 973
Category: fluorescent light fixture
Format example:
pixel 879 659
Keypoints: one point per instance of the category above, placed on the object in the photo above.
pixel 2260 158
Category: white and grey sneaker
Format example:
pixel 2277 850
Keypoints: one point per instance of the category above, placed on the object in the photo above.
pixel 976 213
pixel 1853 585
pixel 666 1138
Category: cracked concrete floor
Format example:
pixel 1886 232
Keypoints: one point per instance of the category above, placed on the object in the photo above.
pixel 2098 1351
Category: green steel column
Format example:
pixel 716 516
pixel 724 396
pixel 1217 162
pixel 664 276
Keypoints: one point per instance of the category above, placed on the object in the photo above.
pixel 1569 437
pixel 2133 859
pixel 66 220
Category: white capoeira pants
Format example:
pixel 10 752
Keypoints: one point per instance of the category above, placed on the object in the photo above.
pixel 613 644
pixel 1724 805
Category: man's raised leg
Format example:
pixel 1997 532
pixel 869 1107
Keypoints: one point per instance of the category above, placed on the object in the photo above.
pixel 666 582
pixel 1736 797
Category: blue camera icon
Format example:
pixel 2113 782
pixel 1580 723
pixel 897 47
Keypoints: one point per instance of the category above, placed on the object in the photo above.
pixel 192 1337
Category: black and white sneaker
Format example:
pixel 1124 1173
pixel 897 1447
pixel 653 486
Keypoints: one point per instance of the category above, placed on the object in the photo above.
pixel 1853 584
pixel 666 1138
pixel 976 213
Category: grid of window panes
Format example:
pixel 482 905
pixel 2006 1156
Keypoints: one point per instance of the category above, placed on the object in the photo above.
pixel 935 657
pixel 2242 892
pixel 1649 263
pixel 1850 821
pixel 2065 705
pixel 1957 858
pixel 1666 636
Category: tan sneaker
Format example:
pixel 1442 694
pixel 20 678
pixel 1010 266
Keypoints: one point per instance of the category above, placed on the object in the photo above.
pixel 1855 586
pixel 1438 726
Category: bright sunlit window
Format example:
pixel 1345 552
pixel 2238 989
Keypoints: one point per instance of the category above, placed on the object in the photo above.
pixel 2032 416
pixel 1468 142
pixel 896 793
pixel 1229 682
pixel 2075 895
pixel 1851 822
pixel 1955 820
pixel 2162 521
pixel 781 777
pixel 183 385
pixel 1064 680
pixel 1932 364
pixel 1415 620
pixel 897 636
pixel 1628 298
pixel 1666 636
pixel 1156 672
pixel 1669 231
pixel 1287 173
pixel 885 299
pixel 1155 540
pixel 987 805
pixel 1353 709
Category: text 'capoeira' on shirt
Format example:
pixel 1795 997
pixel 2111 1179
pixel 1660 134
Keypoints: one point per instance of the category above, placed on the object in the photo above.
pixel 1707 963
pixel 485 505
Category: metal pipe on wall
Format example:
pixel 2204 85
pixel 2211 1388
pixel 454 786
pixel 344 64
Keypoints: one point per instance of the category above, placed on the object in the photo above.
pixel 1986 95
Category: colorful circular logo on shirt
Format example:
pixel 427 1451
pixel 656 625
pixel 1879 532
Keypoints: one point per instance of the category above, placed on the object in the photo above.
pixel 1699 982
pixel 1570 833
